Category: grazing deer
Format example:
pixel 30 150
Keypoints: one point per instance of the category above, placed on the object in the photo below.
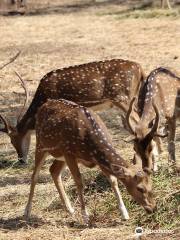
pixel 64 128
pixel 162 87
pixel 113 81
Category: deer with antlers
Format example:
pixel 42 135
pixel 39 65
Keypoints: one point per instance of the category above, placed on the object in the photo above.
pixel 64 128
pixel 113 81
pixel 162 87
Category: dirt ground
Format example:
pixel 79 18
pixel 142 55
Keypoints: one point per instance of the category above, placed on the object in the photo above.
pixel 56 36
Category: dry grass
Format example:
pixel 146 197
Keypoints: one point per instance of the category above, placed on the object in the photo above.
pixel 50 41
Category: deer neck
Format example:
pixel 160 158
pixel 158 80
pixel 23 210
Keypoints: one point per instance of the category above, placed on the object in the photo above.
pixel 100 146
pixel 28 120
pixel 105 154
pixel 26 124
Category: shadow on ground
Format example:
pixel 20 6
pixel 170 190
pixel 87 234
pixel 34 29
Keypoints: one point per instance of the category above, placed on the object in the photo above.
pixel 20 222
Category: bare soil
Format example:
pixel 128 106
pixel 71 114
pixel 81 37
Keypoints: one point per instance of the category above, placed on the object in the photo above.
pixel 57 34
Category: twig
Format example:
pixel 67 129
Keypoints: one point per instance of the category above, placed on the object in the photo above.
pixel 171 194
pixel 11 60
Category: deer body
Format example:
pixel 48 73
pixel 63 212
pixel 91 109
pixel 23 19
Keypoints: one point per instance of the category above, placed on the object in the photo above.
pixel 115 81
pixel 161 87
pixel 67 129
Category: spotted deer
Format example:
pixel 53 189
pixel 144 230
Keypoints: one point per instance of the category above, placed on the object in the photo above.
pixel 110 82
pixel 64 128
pixel 162 87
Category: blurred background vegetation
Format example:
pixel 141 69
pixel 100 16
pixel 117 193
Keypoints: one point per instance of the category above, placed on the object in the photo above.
pixel 41 6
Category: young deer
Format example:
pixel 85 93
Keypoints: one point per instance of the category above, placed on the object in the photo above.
pixel 115 81
pixel 162 87
pixel 64 128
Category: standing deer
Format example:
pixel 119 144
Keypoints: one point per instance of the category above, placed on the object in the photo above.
pixel 113 81
pixel 163 87
pixel 64 128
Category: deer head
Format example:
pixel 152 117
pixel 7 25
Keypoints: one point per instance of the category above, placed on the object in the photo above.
pixel 19 140
pixel 143 137
pixel 137 183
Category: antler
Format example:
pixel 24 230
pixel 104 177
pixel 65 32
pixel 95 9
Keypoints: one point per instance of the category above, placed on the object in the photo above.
pixel 128 115
pixel 6 128
pixel 11 60
pixel 23 84
pixel 155 133
pixel 154 128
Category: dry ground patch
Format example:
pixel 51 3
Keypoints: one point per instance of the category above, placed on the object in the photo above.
pixel 60 39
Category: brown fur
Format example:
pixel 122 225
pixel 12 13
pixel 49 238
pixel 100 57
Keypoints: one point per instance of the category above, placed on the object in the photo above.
pixel 115 81
pixel 162 87
pixel 67 129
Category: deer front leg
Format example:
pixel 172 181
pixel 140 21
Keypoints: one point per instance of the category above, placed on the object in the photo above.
pixel 171 124
pixel 157 148
pixel 73 167
pixel 114 184
pixel 39 160
pixel 169 5
pixel 56 172
pixel 155 155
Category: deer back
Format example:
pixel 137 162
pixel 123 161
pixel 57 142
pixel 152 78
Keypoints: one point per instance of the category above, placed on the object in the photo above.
pixel 65 128
pixel 161 87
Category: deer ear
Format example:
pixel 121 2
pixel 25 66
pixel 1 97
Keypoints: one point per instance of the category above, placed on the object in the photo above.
pixel 120 171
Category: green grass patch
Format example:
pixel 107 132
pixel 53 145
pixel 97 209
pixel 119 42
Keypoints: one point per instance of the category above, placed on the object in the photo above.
pixel 103 207
pixel 145 13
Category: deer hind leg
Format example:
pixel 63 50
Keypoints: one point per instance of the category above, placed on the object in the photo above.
pixel 171 124
pixel 114 184
pixel 159 143
pixel 56 172
pixel 73 167
pixel 39 160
